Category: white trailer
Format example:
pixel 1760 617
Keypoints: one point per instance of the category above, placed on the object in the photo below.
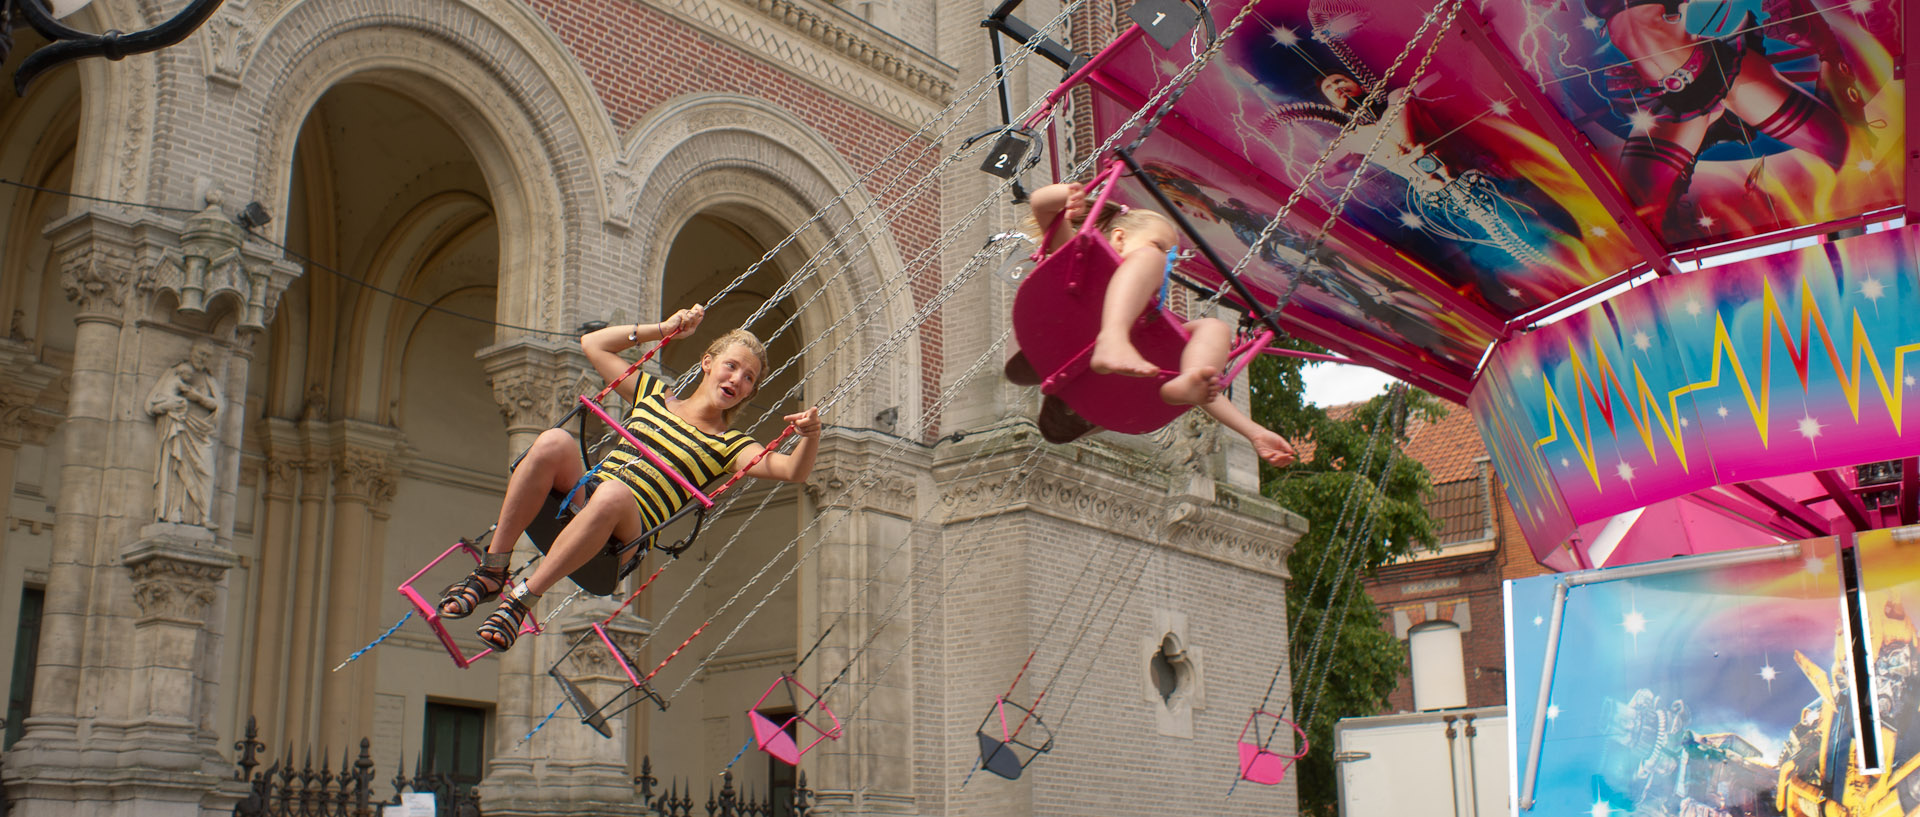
pixel 1451 763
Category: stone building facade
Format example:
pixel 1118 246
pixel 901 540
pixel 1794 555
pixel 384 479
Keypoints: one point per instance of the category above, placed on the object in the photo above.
pixel 538 164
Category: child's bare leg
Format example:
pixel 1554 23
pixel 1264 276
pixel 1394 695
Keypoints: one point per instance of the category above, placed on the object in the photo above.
pixel 1132 287
pixel 552 464
pixel 1200 363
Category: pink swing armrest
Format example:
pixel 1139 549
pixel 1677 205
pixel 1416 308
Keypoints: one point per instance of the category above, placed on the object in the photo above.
pixel 1261 765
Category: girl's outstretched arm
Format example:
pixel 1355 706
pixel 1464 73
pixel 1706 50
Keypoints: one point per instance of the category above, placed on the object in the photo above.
pixel 793 466
pixel 1268 445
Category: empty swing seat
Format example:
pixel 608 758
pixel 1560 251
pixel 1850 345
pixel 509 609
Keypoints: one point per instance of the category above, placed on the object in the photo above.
pixel 775 738
pixel 1009 754
pixel 596 716
pixel 1259 764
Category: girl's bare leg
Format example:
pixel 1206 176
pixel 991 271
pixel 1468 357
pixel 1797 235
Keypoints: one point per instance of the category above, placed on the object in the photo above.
pixel 1200 363
pixel 552 464
pixel 611 512
pixel 1132 287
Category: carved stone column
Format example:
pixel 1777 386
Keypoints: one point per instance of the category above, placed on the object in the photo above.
pixel 177 571
pixel 366 464
pixel 131 639
pixel 536 381
pixel 278 547
pixel 868 495
pixel 573 770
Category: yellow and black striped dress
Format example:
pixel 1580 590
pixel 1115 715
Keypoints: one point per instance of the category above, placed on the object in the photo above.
pixel 699 456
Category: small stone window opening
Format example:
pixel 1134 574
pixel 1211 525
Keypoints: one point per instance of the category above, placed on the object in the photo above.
pixel 1170 669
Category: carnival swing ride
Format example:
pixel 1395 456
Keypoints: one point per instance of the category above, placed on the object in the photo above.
pixel 1590 223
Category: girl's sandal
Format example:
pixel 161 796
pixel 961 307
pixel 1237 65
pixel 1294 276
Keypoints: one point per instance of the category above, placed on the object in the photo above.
pixel 483 585
pixel 503 626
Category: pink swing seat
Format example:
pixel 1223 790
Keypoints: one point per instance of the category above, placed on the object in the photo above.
pixel 1259 764
pixel 431 612
pixel 1056 315
pixel 774 739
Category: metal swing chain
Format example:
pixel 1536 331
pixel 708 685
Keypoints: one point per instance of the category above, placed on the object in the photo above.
pixel 1318 659
pixel 946 292
pixel 1017 57
pixel 807 552
pixel 1392 114
pixel 951 393
pixel 897 604
pixel 1342 520
pixel 765 501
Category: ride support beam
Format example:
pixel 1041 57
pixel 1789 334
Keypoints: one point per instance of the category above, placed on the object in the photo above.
pixel 1910 491
pixel 1574 146
pixel 1842 495
pixel 1746 512
pixel 1786 506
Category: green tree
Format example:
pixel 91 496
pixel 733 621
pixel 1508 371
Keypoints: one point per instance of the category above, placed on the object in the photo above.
pixel 1364 506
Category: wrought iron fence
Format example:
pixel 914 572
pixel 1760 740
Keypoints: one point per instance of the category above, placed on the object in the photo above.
pixel 284 790
pixel 678 800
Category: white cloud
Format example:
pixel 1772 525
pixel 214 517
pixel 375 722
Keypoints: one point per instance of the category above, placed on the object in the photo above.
pixel 1332 384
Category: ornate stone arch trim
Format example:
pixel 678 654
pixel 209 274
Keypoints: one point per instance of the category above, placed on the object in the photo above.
pixel 488 71
pixel 740 157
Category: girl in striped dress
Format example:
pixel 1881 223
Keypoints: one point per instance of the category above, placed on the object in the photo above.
pixel 632 496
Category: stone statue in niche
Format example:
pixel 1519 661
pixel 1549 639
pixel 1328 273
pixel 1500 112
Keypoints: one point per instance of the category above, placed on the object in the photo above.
pixel 186 405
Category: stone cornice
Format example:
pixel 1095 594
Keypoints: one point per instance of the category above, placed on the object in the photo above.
pixel 1107 490
pixel 867 470
pixel 836 51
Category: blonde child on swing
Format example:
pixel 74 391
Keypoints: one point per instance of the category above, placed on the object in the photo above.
pixel 1144 240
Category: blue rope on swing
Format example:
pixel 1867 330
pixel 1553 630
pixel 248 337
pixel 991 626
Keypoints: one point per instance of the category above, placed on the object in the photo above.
pixel 543 722
pixel 376 642
pixel 568 502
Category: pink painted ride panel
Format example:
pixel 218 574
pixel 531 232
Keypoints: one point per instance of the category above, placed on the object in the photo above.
pixel 1259 764
pixel 772 737
pixel 1056 315
pixel 431 612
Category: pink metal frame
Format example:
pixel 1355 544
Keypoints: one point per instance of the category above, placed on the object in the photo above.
pixel 1257 761
pixel 832 733
pixel 431 612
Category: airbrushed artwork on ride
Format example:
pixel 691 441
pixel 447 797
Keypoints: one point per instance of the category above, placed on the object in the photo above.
pixel 1446 169
pixel 1726 119
pixel 1783 364
pixel 1723 691
pixel 1230 216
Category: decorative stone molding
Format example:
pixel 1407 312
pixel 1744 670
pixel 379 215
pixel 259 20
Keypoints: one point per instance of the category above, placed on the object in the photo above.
pixel 280 476
pixel 859 471
pixel 534 380
pixel 176 571
pixel 844 55
pixel 96 277
pixel 24 379
pixel 592 661
pixel 368 460
pixel 227 41
pixel 210 262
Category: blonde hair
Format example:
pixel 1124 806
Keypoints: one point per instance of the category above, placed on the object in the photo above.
pixel 753 344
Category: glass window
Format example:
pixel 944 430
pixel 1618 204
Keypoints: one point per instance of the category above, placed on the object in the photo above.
pixel 456 742
pixel 26 656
